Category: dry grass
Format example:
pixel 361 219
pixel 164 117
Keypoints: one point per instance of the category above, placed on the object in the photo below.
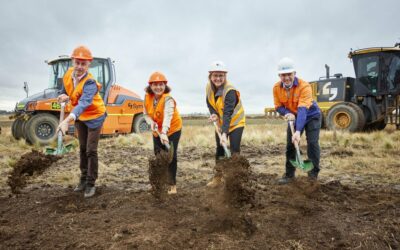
pixel 352 158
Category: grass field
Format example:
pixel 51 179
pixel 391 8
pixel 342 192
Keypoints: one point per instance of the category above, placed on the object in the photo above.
pixel 369 157
pixel 355 204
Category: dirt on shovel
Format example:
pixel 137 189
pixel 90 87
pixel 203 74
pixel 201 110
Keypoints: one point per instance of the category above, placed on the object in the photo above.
pixel 30 164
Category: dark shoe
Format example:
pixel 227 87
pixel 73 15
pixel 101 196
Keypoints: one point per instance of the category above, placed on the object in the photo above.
pixel 80 187
pixel 285 180
pixel 312 176
pixel 89 192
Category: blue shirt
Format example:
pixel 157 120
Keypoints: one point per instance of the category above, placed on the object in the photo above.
pixel 89 91
pixel 304 115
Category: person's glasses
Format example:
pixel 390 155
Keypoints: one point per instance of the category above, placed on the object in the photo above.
pixel 219 76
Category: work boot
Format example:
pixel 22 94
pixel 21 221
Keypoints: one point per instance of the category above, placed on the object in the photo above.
pixel 312 176
pixel 80 187
pixel 172 189
pixel 215 182
pixel 285 180
pixel 89 191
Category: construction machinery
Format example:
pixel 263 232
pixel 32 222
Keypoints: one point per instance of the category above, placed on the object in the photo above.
pixel 367 102
pixel 36 116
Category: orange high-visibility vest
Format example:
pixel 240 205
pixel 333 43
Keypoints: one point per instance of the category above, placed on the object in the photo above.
pixel 296 96
pixel 96 109
pixel 157 113
pixel 238 118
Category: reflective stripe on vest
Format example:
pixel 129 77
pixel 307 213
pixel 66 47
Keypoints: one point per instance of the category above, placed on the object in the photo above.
pixel 238 116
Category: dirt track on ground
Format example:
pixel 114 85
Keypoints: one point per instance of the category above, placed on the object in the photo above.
pixel 125 215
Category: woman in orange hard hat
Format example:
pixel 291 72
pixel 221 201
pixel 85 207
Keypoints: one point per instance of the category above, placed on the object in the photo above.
pixel 226 109
pixel 88 112
pixel 161 113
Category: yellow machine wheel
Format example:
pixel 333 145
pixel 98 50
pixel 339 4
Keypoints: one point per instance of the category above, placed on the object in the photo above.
pixel 342 120
pixel 345 116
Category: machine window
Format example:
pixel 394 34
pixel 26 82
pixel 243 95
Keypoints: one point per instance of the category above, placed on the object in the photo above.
pixel 368 72
pixel 393 77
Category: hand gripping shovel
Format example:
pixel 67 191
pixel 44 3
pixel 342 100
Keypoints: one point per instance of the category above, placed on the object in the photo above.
pixel 169 147
pixel 226 150
pixel 61 149
pixel 306 165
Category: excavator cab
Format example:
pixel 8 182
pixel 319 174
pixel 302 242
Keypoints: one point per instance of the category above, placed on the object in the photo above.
pixel 377 71
pixel 377 84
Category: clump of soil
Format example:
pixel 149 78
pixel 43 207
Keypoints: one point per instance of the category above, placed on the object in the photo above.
pixel 29 164
pixel 233 200
pixel 239 189
pixel 159 174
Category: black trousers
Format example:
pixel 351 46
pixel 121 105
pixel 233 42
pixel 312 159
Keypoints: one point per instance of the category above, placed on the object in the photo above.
pixel 235 138
pixel 158 146
pixel 88 142
pixel 312 129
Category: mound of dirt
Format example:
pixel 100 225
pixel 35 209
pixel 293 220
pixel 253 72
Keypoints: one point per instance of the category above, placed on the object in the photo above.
pixel 29 164
pixel 239 189
pixel 232 201
pixel 158 174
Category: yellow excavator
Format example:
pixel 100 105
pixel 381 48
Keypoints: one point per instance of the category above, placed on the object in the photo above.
pixel 367 102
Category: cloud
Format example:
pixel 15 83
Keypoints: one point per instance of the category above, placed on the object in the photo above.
pixel 181 38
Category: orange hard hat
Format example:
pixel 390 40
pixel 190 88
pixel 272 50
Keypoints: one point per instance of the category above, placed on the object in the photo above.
pixel 83 53
pixel 157 77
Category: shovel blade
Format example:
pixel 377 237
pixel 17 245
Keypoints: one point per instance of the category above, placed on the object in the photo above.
pixel 305 165
pixel 50 151
pixel 227 152
pixel 170 150
pixel 63 150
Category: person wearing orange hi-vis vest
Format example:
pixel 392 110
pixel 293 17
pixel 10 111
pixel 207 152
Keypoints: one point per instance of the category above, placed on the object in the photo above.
pixel 226 110
pixel 161 113
pixel 293 100
pixel 88 112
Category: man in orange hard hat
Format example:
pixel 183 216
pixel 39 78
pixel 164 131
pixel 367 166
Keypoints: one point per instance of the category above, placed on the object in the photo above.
pixel 88 112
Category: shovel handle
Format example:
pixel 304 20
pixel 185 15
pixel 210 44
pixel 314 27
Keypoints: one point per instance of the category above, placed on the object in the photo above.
pixel 159 135
pixel 60 133
pixel 296 144
pixel 227 152
pixel 62 111
pixel 292 129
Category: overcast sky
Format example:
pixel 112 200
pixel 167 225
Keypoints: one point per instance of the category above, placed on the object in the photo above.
pixel 182 38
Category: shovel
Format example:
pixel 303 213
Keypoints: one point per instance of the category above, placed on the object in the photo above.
pixel 61 149
pixel 226 150
pixel 169 147
pixel 306 165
